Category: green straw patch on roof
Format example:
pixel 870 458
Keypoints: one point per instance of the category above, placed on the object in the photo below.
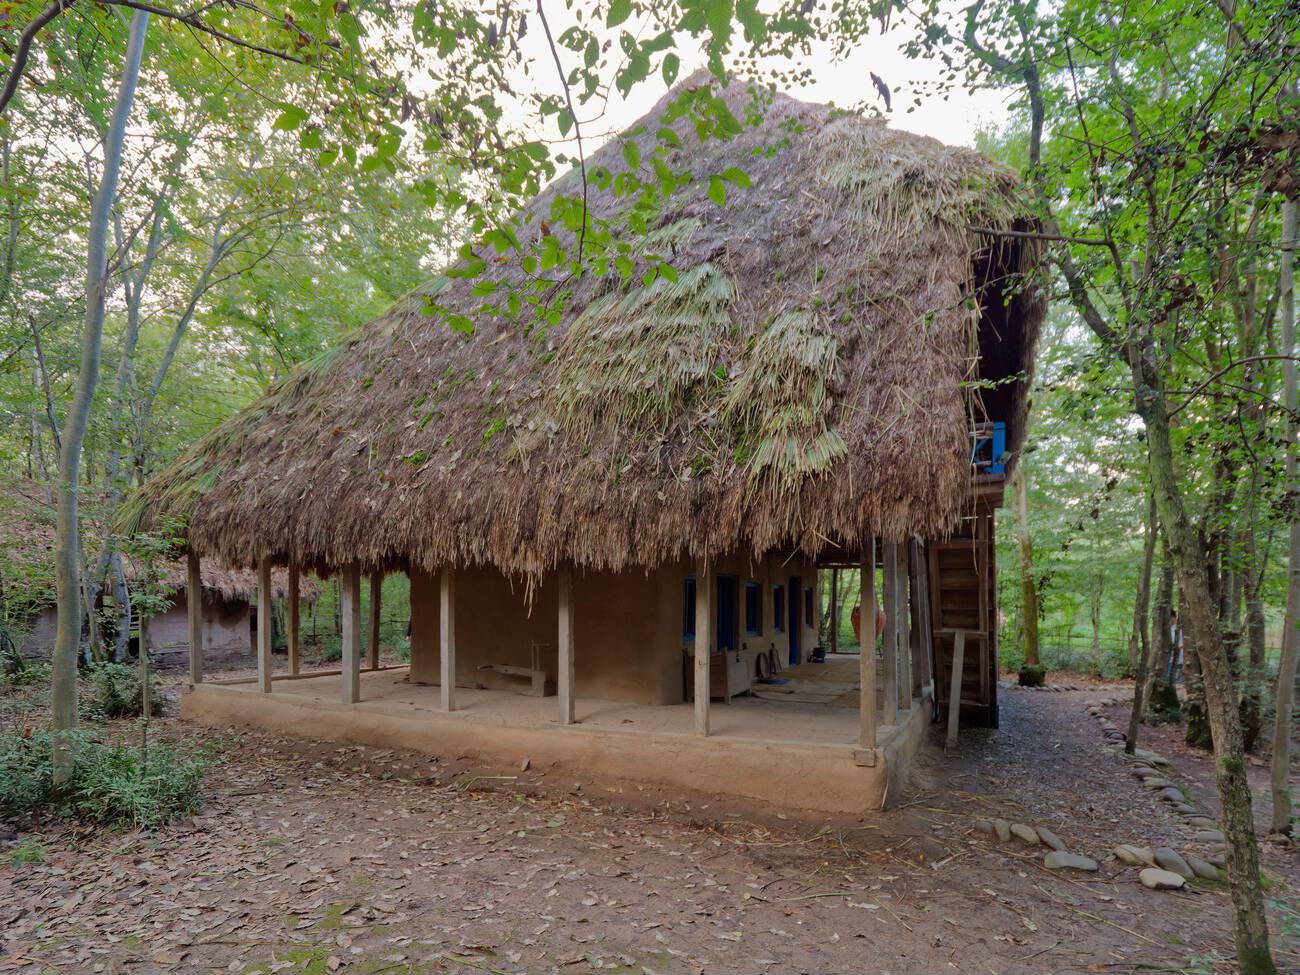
pixel 798 376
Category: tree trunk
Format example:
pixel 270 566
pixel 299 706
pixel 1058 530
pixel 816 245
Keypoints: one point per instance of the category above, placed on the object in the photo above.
pixel 1162 639
pixel 1251 926
pixel 122 597
pixel 1251 702
pixel 1029 597
pixel 1199 733
pixel 1139 640
pixel 827 620
pixel 1286 669
pixel 1253 624
pixel 67 547
pixel 146 692
pixel 1142 669
pixel 92 651
pixel 1094 613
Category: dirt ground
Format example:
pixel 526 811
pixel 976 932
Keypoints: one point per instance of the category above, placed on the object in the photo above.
pixel 313 858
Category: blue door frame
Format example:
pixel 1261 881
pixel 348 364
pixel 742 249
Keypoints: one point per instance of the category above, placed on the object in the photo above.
pixel 794 623
pixel 728 614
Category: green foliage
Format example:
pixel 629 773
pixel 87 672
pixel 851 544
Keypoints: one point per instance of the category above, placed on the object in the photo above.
pixel 1032 675
pixel 26 780
pixel 1164 708
pixel 113 784
pixel 116 784
pixel 331 648
pixel 113 691
pixel 27 852
pixel 320 619
pixel 25 673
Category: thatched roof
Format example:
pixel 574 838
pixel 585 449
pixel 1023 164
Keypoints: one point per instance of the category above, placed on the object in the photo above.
pixel 27 535
pixel 801 383
pixel 221 582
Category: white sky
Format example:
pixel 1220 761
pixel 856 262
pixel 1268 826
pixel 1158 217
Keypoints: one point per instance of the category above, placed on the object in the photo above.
pixel 954 118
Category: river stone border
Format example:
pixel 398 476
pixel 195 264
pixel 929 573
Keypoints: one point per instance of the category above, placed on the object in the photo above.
pixel 1157 773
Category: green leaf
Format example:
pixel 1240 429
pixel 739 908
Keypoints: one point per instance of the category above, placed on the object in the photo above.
pixel 718 190
pixel 736 176
pixel 751 19
pixel 290 118
pixel 619 11
pixel 719 14
pixel 631 154
pixel 350 31
pixel 672 65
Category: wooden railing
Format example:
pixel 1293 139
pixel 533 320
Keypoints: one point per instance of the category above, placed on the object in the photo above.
pixel 989 448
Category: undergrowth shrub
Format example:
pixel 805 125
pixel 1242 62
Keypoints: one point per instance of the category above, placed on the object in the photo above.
pixel 402 648
pixel 112 784
pixel 1164 706
pixel 18 671
pixel 113 691
pixel 1032 675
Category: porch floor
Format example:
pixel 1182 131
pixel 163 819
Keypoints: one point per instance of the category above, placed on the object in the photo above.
pixel 787 752
pixel 763 718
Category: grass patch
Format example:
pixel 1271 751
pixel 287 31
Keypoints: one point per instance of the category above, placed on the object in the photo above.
pixel 112 784
pixel 27 853
pixel 114 691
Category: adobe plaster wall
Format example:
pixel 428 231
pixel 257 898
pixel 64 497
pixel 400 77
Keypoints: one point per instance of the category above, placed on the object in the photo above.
pixel 628 634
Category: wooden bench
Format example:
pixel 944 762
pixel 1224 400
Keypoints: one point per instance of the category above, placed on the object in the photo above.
pixel 536 678
pixel 535 675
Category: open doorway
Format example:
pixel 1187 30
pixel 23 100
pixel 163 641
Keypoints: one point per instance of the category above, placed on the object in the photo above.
pixel 793 594
pixel 728 615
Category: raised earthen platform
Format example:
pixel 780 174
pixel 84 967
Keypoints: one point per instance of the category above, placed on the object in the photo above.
pixel 788 754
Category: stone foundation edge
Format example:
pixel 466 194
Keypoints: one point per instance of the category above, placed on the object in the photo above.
pixel 782 774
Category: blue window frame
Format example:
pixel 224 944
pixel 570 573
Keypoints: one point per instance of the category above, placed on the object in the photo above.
pixel 778 609
pixel 753 609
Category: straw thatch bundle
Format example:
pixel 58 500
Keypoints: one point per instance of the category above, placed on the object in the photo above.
pixel 221 582
pixel 801 384
pixel 27 532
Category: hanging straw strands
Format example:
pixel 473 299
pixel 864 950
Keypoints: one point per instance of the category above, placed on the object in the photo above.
pixel 802 378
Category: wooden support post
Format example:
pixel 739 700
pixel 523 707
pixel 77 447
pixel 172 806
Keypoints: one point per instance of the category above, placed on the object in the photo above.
pixel 194 611
pixel 925 622
pixel 954 688
pixel 376 587
pixel 350 611
pixel 901 631
pixel 295 620
pixel 264 626
pixel 889 654
pixel 867 659
pixel 447 617
pixel 835 607
pixel 564 644
pixel 917 629
pixel 703 625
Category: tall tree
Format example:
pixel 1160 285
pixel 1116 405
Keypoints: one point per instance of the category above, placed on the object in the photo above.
pixel 67 550
pixel 1028 586
pixel 1136 156
pixel 1286 672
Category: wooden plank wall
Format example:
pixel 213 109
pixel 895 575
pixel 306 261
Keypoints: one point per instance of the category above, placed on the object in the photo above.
pixel 963 595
